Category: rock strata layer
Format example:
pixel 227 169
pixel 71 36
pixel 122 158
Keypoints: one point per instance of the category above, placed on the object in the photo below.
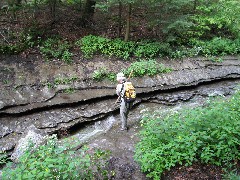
pixel 53 96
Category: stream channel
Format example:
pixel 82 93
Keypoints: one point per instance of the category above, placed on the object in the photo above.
pixel 106 135
pixel 174 101
pixel 87 115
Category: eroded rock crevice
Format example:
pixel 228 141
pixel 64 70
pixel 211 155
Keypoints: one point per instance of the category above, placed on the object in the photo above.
pixel 24 103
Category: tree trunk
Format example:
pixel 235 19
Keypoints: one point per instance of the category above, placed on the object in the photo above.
pixel 88 12
pixel 52 5
pixel 128 23
pixel 35 9
pixel 119 19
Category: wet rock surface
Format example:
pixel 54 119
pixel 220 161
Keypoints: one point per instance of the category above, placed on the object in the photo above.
pixel 122 143
pixel 33 92
pixel 30 95
pixel 31 136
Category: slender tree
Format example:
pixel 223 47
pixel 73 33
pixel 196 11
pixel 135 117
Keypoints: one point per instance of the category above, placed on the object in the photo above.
pixel 128 22
pixel 88 12
pixel 52 6
pixel 120 7
pixel 123 6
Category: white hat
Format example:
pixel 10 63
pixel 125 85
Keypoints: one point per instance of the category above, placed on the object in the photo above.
pixel 120 76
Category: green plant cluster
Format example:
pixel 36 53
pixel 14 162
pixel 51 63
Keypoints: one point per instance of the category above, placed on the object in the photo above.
pixel 91 45
pixel 56 48
pixel 11 49
pixel 66 80
pixel 208 134
pixel 62 81
pixel 3 158
pixel 138 69
pixel 146 67
pixel 54 161
pixel 102 73
pixel 29 38
pixel 232 175
pixel 152 49
pixel 217 47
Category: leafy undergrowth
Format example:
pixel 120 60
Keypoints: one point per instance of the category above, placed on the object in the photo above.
pixel 55 161
pixel 206 135
pixel 139 68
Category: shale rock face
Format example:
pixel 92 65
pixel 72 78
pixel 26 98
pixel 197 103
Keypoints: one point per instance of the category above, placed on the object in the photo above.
pixel 54 96
pixel 31 136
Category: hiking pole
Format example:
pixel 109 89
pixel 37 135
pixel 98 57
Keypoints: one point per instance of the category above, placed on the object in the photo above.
pixel 119 95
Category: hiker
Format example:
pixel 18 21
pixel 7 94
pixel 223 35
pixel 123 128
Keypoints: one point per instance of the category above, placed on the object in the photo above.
pixel 124 106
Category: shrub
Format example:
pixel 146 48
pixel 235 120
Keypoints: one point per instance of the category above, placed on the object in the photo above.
pixel 11 49
pixel 147 50
pixel 208 134
pixel 232 175
pixel 217 47
pixel 54 161
pixel 146 67
pixel 216 18
pixel 103 73
pixel 183 52
pixel 99 74
pixel 140 68
pixel 3 158
pixel 56 48
pixel 15 43
pixel 122 49
pixel 65 80
pixel 91 44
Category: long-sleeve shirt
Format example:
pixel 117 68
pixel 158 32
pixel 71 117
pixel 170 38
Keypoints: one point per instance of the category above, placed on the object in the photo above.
pixel 120 89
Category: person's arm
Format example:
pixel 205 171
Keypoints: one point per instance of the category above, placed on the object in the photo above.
pixel 119 89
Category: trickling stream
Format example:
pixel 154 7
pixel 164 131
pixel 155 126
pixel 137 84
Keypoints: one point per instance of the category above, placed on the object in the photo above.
pixel 85 121
pixel 103 131
pixel 31 101
pixel 157 103
pixel 105 134
pixel 28 106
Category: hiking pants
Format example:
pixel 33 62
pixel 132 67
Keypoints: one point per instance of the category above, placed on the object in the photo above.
pixel 124 110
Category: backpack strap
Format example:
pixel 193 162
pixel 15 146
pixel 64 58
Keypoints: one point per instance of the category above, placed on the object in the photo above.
pixel 122 88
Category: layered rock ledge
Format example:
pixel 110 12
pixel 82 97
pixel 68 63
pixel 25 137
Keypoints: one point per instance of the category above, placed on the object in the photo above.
pixel 27 95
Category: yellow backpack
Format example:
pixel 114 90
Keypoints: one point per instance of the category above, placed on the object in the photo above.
pixel 130 93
